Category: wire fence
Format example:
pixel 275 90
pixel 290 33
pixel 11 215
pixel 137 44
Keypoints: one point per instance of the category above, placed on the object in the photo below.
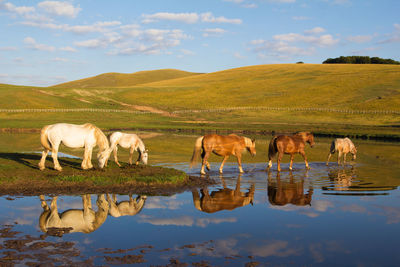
pixel 211 110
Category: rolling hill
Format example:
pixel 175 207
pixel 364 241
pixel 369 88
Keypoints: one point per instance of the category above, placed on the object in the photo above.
pixel 122 79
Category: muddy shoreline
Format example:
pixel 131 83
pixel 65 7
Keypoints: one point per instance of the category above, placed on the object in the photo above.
pixel 77 188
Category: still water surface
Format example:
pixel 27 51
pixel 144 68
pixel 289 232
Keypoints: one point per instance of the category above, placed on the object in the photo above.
pixel 327 216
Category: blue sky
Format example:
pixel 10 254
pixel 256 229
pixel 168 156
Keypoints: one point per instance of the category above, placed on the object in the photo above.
pixel 48 42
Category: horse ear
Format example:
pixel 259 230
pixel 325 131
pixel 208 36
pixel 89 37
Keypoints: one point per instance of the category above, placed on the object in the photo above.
pixel 253 140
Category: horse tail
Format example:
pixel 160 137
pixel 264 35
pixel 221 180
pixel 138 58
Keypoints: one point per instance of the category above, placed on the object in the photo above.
pixel 333 147
pixel 44 138
pixel 272 149
pixel 196 151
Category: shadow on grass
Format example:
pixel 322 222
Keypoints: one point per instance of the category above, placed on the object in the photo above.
pixel 32 160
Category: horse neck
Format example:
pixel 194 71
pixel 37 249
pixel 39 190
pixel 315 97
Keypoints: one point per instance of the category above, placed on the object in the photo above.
pixel 248 143
pixel 101 139
pixel 141 146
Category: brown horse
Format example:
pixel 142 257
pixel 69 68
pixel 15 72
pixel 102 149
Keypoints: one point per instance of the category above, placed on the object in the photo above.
pixel 284 144
pixel 221 145
pixel 223 199
pixel 281 193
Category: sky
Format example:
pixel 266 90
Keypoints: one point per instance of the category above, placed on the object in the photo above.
pixel 45 43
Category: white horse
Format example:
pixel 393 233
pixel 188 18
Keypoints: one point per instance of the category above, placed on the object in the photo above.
pixel 131 207
pixel 74 136
pixel 84 220
pixel 342 146
pixel 128 141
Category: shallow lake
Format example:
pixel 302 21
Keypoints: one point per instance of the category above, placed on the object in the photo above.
pixel 327 216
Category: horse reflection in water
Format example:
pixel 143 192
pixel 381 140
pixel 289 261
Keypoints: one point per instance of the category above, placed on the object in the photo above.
pixel 123 208
pixel 281 193
pixel 84 220
pixel 223 199
pixel 342 179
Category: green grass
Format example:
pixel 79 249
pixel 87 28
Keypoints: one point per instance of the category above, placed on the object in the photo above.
pixel 355 88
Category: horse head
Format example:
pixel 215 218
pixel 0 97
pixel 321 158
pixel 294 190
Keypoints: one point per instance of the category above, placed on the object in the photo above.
pixel 144 156
pixel 251 145
pixel 310 139
pixel 353 151
pixel 103 157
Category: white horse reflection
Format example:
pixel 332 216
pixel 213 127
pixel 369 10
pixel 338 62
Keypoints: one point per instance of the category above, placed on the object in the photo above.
pixel 123 208
pixel 131 142
pixel 84 220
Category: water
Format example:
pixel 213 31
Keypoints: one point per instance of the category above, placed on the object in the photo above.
pixel 327 216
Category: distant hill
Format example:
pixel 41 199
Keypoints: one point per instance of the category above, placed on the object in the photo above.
pixel 114 79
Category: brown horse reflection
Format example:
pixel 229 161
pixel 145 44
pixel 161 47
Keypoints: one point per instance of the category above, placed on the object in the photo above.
pixel 221 145
pixel 223 199
pixel 284 144
pixel 84 220
pixel 123 208
pixel 281 193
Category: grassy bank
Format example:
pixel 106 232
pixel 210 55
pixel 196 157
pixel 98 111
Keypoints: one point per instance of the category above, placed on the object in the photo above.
pixel 19 175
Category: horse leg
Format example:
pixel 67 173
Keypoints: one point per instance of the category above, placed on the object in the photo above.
pixel 115 151
pixel 90 158
pixel 139 157
pixel 222 164
pixel 344 158
pixel 131 155
pixel 280 154
pixel 84 164
pixel 338 157
pixel 327 161
pixel 54 153
pixel 291 161
pixel 305 159
pixel 43 159
pixel 239 161
pixel 205 158
pixel 44 203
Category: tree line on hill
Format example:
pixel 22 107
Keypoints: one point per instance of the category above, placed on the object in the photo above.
pixel 360 60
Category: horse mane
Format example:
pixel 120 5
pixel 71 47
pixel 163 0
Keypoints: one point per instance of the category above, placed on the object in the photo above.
pixel 101 138
pixel 247 142
pixel 140 144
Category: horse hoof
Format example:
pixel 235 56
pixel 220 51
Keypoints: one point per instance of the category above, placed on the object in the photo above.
pixel 58 168
pixel 203 173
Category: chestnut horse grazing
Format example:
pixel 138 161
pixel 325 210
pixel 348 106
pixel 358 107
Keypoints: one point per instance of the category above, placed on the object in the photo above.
pixel 284 144
pixel 342 146
pixel 221 145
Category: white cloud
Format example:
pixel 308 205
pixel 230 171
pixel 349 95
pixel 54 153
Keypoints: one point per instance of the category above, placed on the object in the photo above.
pixel 213 32
pixel 394 37
pixel 31 43
pixel 60 8
pixel 360 38
pixel 100 26
pixel 92 43
pixel 276 248
pixel 316 30
pixel 209 17
pixel 68 49
pixel 322 40
pixel 181 17
pixel 238 55
pixel 282 1
pixel 21 10
pixel 59 59
pixel 234 1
